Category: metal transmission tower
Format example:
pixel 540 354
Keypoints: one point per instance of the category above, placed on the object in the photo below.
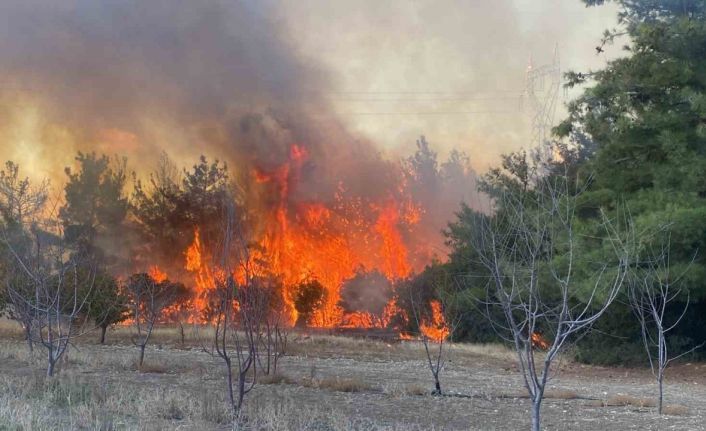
pixel 542 86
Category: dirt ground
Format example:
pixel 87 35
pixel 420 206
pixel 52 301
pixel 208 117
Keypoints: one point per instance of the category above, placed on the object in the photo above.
pixel 329 383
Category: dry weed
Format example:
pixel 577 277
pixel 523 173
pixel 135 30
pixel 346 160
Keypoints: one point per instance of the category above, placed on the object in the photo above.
pixel 275 379
pixel 336 384
pixel 675 410
pixel 622 400
pixel 561 394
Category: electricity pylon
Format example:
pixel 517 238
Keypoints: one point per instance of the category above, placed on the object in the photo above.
pixel 542 86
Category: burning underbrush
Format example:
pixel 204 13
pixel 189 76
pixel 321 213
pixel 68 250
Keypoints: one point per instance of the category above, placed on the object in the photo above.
pixel 330 259
pixel 366 300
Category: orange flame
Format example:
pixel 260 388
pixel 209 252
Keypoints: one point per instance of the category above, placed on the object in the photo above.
pixel 157 274
pixel 197 264
pixel 436 330
pixel 539 341
pixel 329 242
pixel 326 241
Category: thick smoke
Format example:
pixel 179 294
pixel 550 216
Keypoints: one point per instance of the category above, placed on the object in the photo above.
pixel 366 291
pixel 134 77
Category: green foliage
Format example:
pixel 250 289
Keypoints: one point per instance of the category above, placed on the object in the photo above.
pixel 172 204
pixel 94 218
pixel 21 203
pixel 20 200
pixel 96 208
pixel 106 303
pixel 644 115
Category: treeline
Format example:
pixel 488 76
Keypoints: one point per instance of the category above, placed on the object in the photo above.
pixel 123 224
pixel 634 148
pixel 101 231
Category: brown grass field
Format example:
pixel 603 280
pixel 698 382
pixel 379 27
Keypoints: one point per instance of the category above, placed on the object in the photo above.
pixel 325 383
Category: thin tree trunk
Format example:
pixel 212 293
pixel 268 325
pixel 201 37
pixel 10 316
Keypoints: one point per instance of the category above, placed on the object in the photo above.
pixel 269 349
pixel 229 382
pixel 660 381
pixel 50 366
pixel 28 335
pixel 241 394
pixel 536 407
pixel 142 354
pixel 103 330
pixel 437 384
pixel 181 330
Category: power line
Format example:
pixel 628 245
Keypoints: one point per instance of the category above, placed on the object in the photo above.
pixel 426 99
pixel 431 113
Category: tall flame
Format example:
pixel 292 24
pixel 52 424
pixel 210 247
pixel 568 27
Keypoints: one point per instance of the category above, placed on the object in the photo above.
pixel 157 274
pixel 197 263
pixel 437 330
pixel 328 241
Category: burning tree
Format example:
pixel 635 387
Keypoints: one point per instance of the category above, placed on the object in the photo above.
pixel 364 299
pixel 529 249
pixel 172 206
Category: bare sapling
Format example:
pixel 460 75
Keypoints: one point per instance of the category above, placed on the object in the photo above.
pixel 240 308
pixel 660 301
pixel 49 286
pixel 528 250
pixel 435 328
pixel 273 339
pixel 148 300
pixel 21 204
pixel 280 333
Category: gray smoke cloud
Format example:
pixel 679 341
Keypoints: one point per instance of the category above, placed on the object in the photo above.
pixel 135 78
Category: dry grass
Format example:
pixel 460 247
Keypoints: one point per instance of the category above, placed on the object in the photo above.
pixel 416 390
pixel 74 402
pixel 624 401
pixel 551 394
pixel 300 344
pixel 337 384
pixel 153 365
pixel 180 387
pixel 675 410
pixel 561 394
pixel 9 329
pixel 275 379
pixel 492 350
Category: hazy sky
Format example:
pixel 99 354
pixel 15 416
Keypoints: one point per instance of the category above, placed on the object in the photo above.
pixel 440 59
pixel 137 78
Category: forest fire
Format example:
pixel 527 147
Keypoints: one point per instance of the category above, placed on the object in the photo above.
pixel 328 241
